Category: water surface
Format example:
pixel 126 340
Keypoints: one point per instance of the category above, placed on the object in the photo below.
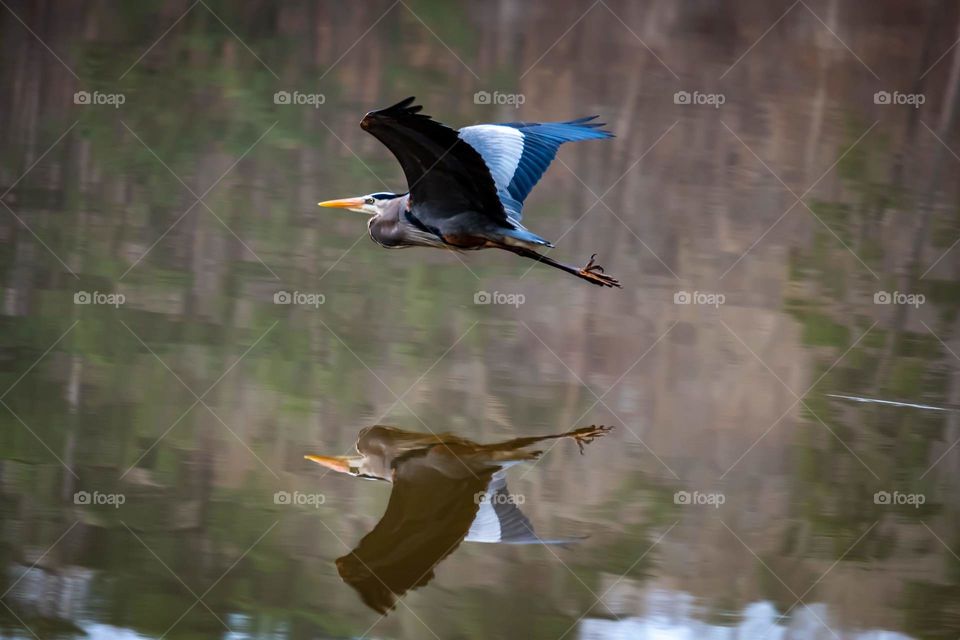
pixel 148 440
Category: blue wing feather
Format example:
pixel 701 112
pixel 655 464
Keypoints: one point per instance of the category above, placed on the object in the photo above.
pixel 540 143
pixel 518 162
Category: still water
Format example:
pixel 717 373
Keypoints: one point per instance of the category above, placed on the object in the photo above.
pixel 180 324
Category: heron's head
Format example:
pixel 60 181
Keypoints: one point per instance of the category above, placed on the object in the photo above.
pixel 371 204
pixel 356 466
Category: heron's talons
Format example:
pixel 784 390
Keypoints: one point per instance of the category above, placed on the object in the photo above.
pixel 594 274
pixel 586 435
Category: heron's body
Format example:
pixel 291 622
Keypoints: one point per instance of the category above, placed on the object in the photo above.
pixel 446 490
pixel 467 186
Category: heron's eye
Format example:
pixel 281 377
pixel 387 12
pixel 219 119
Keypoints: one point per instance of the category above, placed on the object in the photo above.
pixel 369 201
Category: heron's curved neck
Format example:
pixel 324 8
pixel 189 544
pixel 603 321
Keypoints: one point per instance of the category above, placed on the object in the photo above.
pixel 385 228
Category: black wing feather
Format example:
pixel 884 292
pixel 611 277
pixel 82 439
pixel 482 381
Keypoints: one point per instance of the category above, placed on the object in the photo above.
pixel 427 517
pixel 445 174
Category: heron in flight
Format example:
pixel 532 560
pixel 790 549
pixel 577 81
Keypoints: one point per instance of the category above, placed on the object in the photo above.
pixel 446 490
pixel 467 186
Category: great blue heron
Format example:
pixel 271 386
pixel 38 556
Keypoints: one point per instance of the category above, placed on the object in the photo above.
pixel 446 490
pixel 467 186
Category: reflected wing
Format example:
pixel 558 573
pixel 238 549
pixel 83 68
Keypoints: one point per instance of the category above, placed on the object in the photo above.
pixel 446 175
pixel 427 517
pixel 518 153
pixel 499 519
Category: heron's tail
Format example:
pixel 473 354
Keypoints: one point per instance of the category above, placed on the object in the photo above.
pixel 524 238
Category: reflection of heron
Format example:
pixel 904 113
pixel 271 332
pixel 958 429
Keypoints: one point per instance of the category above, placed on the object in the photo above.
pixel 467 186
pixel 446 490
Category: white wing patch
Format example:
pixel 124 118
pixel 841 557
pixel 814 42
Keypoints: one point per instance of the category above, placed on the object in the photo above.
pixel 486 526
pixel 499 146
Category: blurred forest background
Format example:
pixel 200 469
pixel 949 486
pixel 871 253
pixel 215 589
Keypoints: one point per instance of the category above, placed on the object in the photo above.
pixel 798 199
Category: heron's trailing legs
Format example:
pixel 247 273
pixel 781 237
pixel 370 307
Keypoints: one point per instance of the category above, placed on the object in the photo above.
pixel 514 449
pixel 592 273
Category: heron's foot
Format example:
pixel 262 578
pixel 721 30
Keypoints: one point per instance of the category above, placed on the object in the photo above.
pixel 586 435
pixel 594 274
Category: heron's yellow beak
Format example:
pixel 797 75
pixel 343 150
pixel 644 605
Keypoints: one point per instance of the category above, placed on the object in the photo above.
pixel 344 203
pixel 335 463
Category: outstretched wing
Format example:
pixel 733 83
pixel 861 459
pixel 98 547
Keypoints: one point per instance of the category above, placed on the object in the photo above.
pixel 444 173
pixel 427 517
pixel 499 519
pixel 518 153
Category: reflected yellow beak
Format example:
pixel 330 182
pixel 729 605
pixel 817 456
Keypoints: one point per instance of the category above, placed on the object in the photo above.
pixel 335 463
pixel 344 203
